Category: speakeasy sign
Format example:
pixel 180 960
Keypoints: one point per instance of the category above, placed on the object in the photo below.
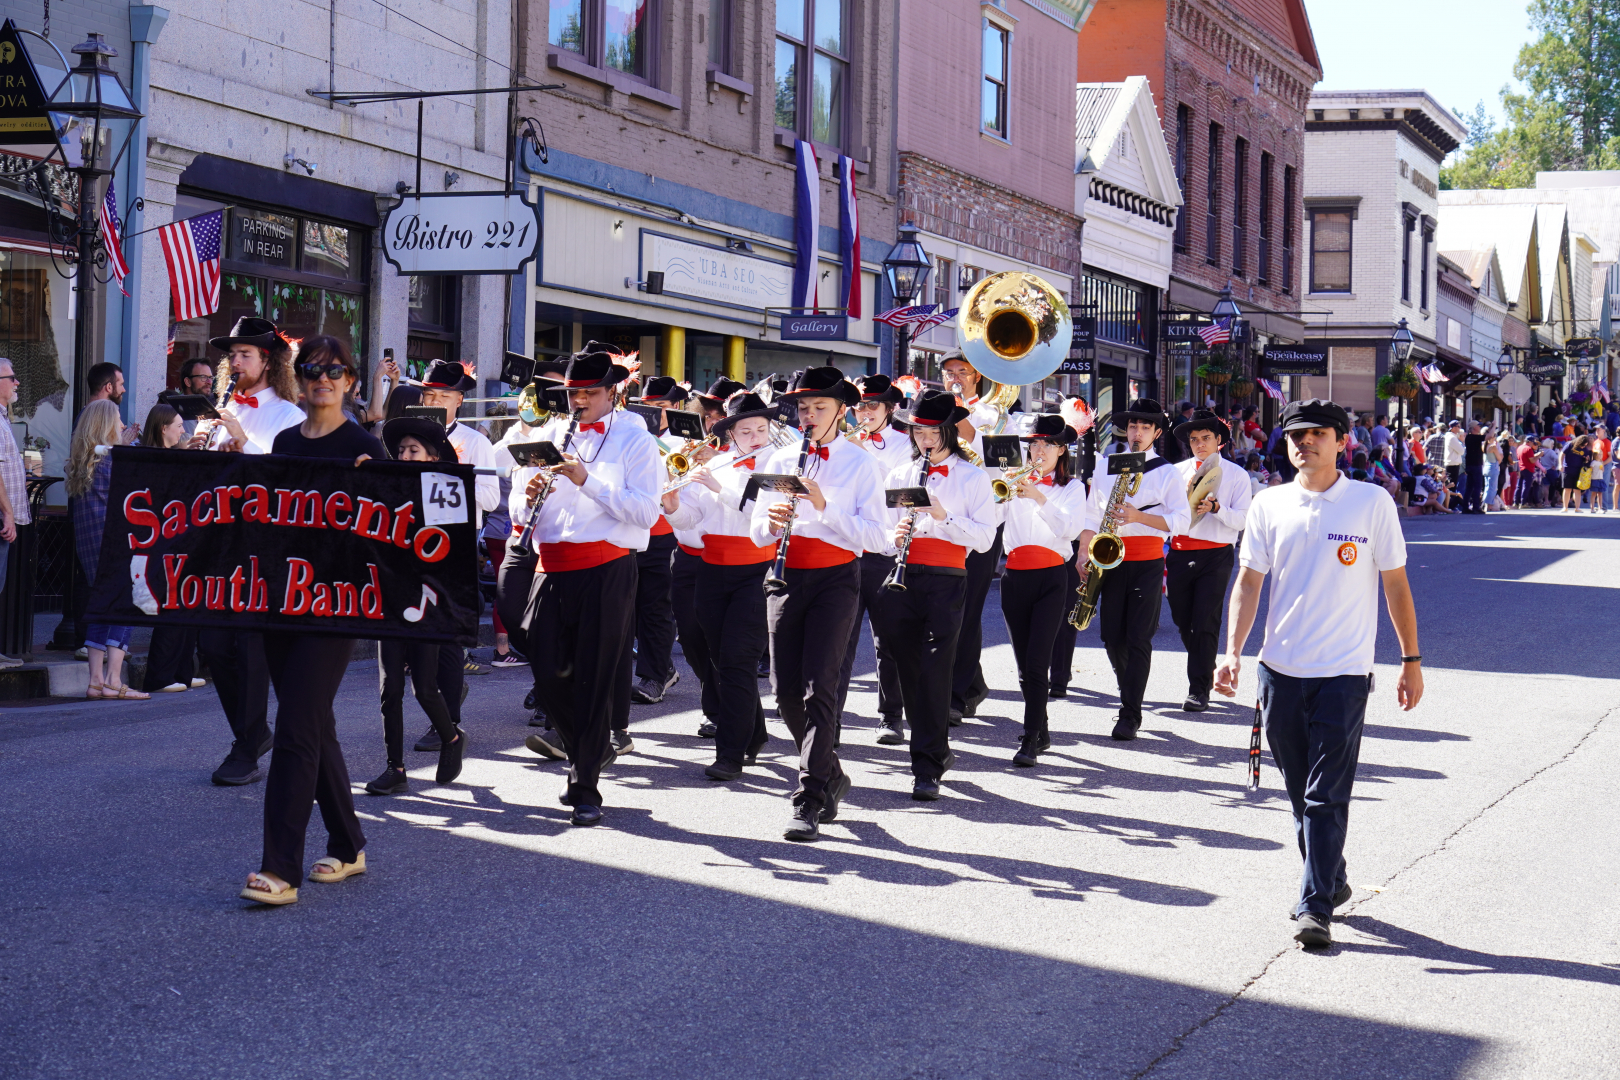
pixel 386 549
pixel 1294 360
pixel 472 232
pixel 716 274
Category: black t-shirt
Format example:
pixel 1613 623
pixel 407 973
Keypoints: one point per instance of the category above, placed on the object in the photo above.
pixel 1474 451
pixel 343 444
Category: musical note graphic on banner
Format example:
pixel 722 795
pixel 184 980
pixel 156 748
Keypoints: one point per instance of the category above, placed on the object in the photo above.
pixel 429 597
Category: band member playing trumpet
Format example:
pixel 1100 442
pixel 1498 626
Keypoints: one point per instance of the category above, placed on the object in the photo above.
pixel 810 612
pixel 1043 518
pixel 920 615
pixel 599 509
pixel 1199 566
pixel 891 447
pixel 1129 599
pixel 730 579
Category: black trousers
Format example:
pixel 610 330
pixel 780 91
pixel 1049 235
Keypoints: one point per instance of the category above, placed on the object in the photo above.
pixel 655 616
pixel 1197 592
pixel 967 681
pixel 734 628
pixel 306 766
pixel 1128 618
pixel 581 640
pixel 241 678
pixel 1063 644
pixel 1034 604
pixel 694 645
pixel 513 581
pixel 424 658
pixel 171 658
pixel 809 623
pixel 874 569
pixel 452 673
pixel 1473 502
pixel 922 625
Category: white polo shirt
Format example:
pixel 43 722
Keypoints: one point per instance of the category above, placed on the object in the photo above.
pixel 1324 552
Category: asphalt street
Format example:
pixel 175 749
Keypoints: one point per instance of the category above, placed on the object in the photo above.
pixel 1119 911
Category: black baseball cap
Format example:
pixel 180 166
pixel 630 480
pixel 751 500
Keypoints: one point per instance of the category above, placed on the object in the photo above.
pixel 1315 413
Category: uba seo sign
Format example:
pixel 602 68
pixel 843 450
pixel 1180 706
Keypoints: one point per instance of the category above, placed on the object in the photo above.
pixel 474 232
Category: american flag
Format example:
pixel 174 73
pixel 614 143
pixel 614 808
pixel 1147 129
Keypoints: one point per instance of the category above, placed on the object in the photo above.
pixel 109 237
pixel 1218 332
pixel 1272 388
pixel 935 319
pixel 1432 373
pixel 907 316
pixel 191 248
pixel 1601 389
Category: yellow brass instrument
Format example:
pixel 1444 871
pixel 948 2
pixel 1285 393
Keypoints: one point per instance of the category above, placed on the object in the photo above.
pixel 1205 479
pixel 1005 489
pixel 680 461
pixel 1107 551
pixel 1015 329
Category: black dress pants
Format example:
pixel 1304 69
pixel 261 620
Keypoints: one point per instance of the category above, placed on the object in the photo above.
pixel 733 617
pixel 874 570
pixel 1473 501
pixel 1129 617
pixel 1034 605
pixel 1197 592
pixel 922 624
pixel 1063 644
pixel 809 623
pixel 306 766
pixel 967 681
pixel 694 645
pixel 171 658
pixel 581 641
pixel 236 661
pixel 423 657
pixel 655 617
pixel 452 673
pixel 513 581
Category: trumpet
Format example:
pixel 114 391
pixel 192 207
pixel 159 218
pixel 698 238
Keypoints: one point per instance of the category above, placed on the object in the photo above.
pixel 525 541
pixel 1005 489
pixel 680 461
pixel 690 477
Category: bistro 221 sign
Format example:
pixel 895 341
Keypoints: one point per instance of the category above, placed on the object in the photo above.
pixel 472 232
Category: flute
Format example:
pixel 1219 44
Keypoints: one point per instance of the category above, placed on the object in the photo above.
pixel 525 540
pixel 776 582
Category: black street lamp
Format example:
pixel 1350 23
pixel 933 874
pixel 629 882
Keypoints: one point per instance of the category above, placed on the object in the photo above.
pixel 906 268
pixel 1400 345
pixel 1227 308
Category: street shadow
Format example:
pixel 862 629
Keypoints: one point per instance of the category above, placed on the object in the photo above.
pixel 1460 961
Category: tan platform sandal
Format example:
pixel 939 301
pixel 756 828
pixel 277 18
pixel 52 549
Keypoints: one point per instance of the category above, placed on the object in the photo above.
pixel 337 869
pixel 126 693
pixel 272 894
pixel 96 691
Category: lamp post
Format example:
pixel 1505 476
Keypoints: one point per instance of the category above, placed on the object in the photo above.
pixel 1226 308
pixel 1400 345
pixel 907 268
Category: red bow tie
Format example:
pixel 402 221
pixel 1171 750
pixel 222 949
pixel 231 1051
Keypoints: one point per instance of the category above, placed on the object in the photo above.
pixel 819 451
pixel 746 463
pixel 943 470
pixel 243 399
pixel 1045 481
pixel 596 427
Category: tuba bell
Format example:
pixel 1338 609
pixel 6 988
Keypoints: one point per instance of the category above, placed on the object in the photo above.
pixel 1014 328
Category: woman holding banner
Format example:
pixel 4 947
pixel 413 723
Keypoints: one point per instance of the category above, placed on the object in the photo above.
pixel 306 765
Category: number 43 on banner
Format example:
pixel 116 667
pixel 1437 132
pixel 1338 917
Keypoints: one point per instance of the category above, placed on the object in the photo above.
pixel 444 499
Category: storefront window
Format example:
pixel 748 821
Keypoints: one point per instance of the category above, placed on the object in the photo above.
pixel 36 335
pixel 326 251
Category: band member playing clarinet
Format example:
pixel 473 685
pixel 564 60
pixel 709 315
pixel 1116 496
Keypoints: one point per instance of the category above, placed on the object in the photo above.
pixel 919 613
pixel 1199 566
pixel 1129 601
pixel 968 687
pixel 730 579
pixel 1045 514
pixel 599 509
pixel 810 609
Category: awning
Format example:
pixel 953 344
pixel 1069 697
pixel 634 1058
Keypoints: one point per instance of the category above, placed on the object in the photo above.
pixel 1464 375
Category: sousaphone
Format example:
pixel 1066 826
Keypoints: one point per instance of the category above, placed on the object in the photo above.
pixel 1015 329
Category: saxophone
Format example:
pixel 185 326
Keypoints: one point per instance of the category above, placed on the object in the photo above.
pixel 1106 552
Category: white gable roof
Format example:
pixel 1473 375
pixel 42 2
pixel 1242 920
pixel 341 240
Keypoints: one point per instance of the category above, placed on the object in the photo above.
pixel 1117 136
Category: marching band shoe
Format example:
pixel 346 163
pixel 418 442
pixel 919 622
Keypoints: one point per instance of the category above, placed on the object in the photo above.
pixel 763 671
pixel 925 790
pixel 450 759
pixel 235 771
pixel 586 814
pixel 1028 751
pixel 1057 693
pixel 804 825
pixel 891 732
pixel 528 699
pixel 565 798
pixel 835 799
pixel 429 743
pixel 1195 702
pixel 752 757
pixel 391 782
pixel 955 716
pixel 1125 730
pixel 1314 931
pixel 539 719
pixel 724 769
pixel 622 743
pixel 647 692
pixel 1342 897
pixel 547 746
pixel 970 707
pixel 707 729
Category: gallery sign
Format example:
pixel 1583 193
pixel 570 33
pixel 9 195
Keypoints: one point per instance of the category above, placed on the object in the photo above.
pixel 815 327
pixel 473 232
pixel 702 272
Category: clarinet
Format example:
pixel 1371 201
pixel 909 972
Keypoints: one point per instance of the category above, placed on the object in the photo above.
pixel 896 581
pixel 775 581
pixel 525 540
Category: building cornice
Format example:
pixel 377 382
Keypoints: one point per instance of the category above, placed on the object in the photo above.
pixel 1229 36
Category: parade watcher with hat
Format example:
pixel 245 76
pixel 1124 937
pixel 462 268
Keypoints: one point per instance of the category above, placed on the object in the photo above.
pixel 810 615
pixel 1328 543
pixel 921 622
pixel 1199 566
pixel 599 510
pixel 891 446
pixel 1043 518
pixel 1128 602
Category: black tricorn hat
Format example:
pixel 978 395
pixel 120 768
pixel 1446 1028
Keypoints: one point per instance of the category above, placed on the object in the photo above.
pixel 1315 413
pixel 663 388
pixel 722 390
pixel 448 375
pixel 741 406
pixel 1052 428
pixel 420 428
pixel 1144 409
pixel 822 382
pixel 1204 420
pixel 880 388
pixel 254 331
pixel 934 408
pixel 594 366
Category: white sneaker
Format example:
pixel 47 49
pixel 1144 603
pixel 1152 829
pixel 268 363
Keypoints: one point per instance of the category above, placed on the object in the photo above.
pixel 9 662
pixel 195 683
pixel 173 688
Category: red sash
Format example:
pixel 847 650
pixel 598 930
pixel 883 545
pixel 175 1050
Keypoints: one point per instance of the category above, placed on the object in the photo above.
pixel 1033 557
pixel 808 553
pixel 1187 543
pixel 928 551
pixel 722 550
pixel 1143 548
pixel 559 558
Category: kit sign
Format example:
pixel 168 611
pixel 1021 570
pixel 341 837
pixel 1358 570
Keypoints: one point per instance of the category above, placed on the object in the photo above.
pixel 717 275
pixel 386 549
pixel 473 232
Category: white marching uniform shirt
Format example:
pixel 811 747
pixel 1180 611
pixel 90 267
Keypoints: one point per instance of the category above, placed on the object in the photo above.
pixel 703 513
pixel 963 490
pixel 1232 490
pixel 472 448
pixel 261 425
pixel 890 446
pixel 1053 525
pixel 852 487
pixel 618 502
pixel 1162 492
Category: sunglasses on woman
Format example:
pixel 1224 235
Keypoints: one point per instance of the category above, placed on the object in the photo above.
pixel 311 372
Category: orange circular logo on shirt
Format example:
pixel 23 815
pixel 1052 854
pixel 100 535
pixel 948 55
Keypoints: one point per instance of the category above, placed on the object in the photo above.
pixel 1347 554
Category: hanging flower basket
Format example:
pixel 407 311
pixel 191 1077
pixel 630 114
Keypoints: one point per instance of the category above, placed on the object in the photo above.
pixel 1242 387
pixel 1215 372
pixel 1401 382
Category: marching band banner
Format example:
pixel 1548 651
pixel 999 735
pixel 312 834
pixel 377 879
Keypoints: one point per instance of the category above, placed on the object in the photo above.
pixel 387 549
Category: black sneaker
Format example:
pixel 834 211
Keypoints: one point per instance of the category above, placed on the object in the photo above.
pixel 647 692
pixel 804 825
pixel 391 782
pixel 586 814
pixel 764 669
pixel 235 771
pixel 1314 931
pixel 1125 730
pixel 1057 692
pixel 450 759
pixel 539 719
pixel 528 699
pixel 429 743
pixel 1195 702
pixel 707 730
pixel 1029 750
pixel 891 732
pixel 835 799
pixel 954 717
pixel 1342 897
pixel 509 659
pixel 622 743
pixel 547 745
pixel 925 790
pixel 724 769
